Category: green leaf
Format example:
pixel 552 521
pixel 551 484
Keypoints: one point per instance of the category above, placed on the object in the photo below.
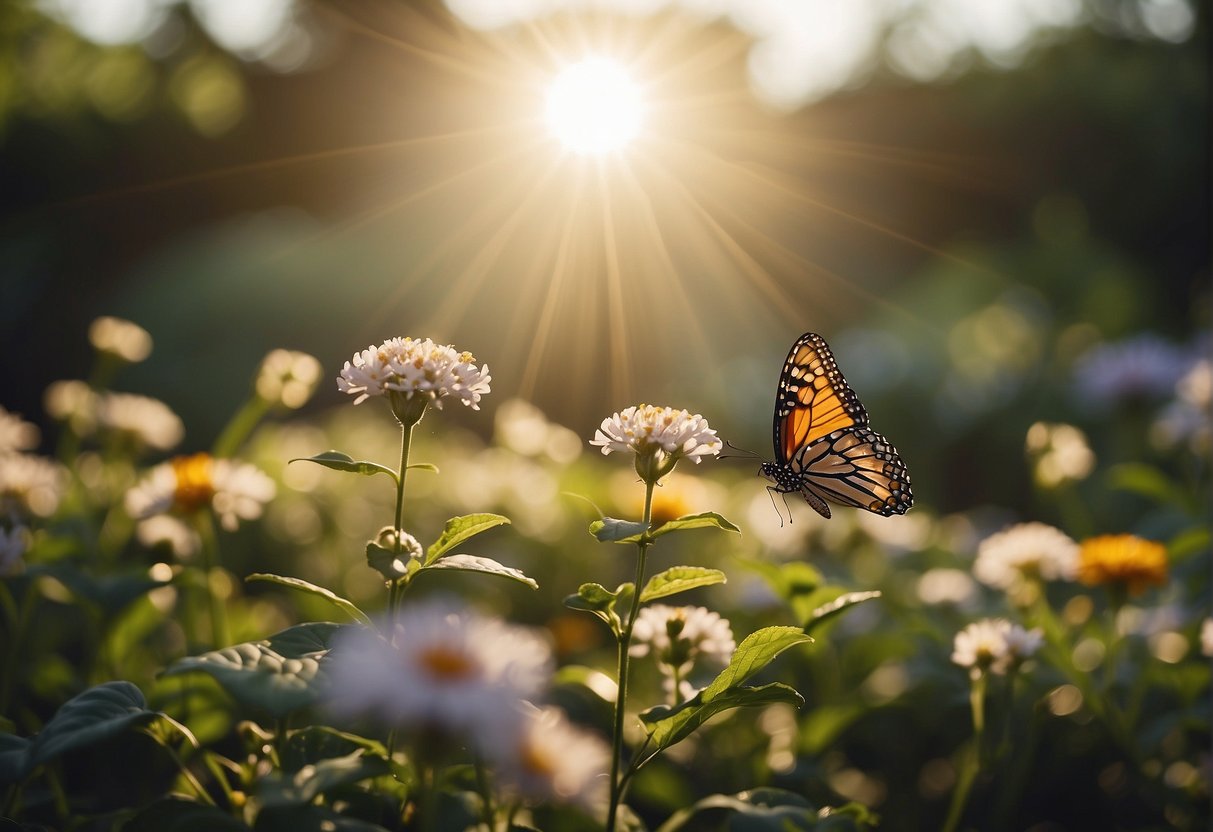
pixel 280 674
pixel 1146 481
pixel 755 652
pixel 175 814
pixel 96 715
pixel 315 743
pixel 667 726
pixel 422 466
pixel 706 520
pixel 679 579
pixel 14 758
pixel 346 606
pixel 344 462
pixel 836 607
pixel 597 599
pixel 766 810
pixel 613 530
pixel 459 529
pixel 311 781
pixel 488 566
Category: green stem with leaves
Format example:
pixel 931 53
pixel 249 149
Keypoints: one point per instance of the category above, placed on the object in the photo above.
pixel 625 643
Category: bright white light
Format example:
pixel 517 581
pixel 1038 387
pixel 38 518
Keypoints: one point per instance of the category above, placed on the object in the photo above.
pixel 593 107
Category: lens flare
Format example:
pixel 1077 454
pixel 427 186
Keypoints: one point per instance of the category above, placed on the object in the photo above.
pixel 593 107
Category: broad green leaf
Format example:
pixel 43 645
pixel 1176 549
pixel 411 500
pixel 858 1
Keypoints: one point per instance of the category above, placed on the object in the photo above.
pixel 94 716
pixel 459 529
pixel 706 520
pixel 596 595
pixel 755 652
pixel 346 606
pixel 767 810
pixel 488 566
pixel 338 461
pixel 175 814
pixel 280 674
pixel 14 758
pixel 612 530
pixel 679 579
pixel 789 579
pixel 667 726
pixel 310 781
pixel 597 599
pixel 836 607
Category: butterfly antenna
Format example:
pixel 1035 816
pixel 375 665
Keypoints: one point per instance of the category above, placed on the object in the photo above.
pixel 745 454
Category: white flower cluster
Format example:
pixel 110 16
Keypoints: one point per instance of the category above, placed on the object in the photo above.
pixel 644 427
pixel 30 485
pixel 1025 552
pixel 16 434
pixel 448 670
pixel 145 421
pixel 994 644
pixel 1060 453
pixel 415 367
pixel 678 637
pixel 235 491
pixel 288 378
pixel 120 338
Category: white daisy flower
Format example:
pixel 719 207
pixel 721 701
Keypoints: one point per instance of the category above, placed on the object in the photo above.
pixel 946 586
pixel 235 491
pixel 120 338
pixel 543 757
pixel 16 434
pixel 144 421
pixel 445 668
pixel 1016 557
pixel 288 378
pixel 415 368
pixel 30 485
pixel 14 543
pixel 994 644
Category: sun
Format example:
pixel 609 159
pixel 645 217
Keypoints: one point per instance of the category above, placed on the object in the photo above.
pixel 593 107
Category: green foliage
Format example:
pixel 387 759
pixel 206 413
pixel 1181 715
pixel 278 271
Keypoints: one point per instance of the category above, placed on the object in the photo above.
pixel 278 675
pixel 679 579
pixel 459 529
pixel 766 810
pixel 347 607
pixel 338 461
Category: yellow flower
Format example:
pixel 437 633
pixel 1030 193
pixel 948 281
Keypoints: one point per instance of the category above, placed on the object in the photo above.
pixel 1124 559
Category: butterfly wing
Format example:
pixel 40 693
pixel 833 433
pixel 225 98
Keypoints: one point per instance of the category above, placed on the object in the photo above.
pixel 822 437
pixel 813 399
pixel 855 467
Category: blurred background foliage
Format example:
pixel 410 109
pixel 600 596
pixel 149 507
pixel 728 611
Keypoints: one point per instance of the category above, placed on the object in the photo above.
pixel 997 213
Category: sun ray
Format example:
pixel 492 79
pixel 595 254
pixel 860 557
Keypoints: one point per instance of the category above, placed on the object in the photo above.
pixel 620 370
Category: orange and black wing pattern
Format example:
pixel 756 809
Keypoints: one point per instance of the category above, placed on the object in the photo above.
pixel 813 399
pixel 823 445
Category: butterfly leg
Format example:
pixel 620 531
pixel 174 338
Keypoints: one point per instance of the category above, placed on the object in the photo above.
pixel 771 491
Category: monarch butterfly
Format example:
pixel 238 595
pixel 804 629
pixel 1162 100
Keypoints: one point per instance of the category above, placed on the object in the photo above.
pixel 823 445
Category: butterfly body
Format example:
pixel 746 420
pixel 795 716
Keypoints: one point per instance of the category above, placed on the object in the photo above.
pixel 824 448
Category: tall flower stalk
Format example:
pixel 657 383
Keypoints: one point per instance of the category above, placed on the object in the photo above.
pixel 658 437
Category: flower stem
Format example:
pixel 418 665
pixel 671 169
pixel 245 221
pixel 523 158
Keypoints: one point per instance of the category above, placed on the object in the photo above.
pixel 218 609
pixel 406 439
pixel 971 764
pixel 241 425
pixel 625 643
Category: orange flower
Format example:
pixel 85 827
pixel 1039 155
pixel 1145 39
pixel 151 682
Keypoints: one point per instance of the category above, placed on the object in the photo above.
pixel 1123 559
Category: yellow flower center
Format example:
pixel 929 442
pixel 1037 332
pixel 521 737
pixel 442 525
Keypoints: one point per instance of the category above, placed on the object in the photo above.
pixel 194 485
pixel 534 761
pixel 447 665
